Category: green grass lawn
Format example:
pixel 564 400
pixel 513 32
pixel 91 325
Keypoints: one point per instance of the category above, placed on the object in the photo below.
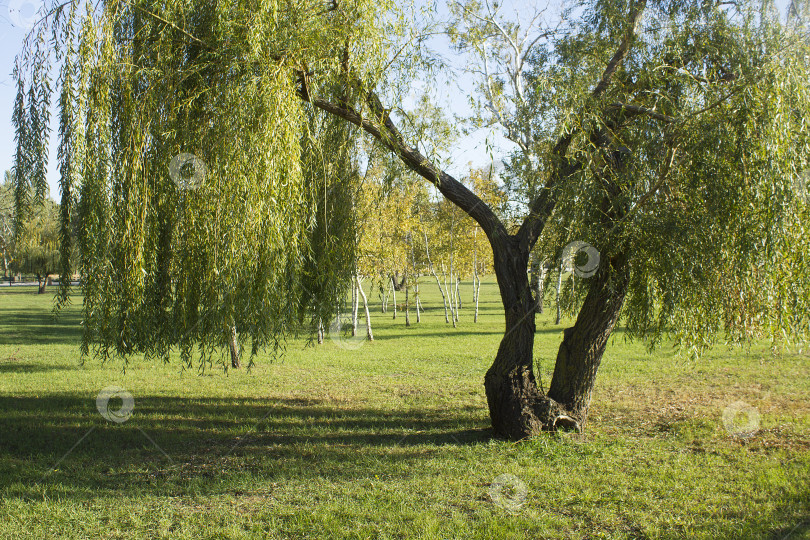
pixel 391 440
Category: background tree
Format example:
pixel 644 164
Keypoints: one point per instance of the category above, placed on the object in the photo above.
pixel 7 220
pixel 36 247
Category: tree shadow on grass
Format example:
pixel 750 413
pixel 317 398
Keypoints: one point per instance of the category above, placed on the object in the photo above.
pixel 451 333
pixel 173 445
pixel 10 366
pixel 39 328
pixel 799 531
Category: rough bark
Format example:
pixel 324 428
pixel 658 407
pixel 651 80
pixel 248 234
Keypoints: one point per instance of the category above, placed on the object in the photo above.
pixel 517 406
pixel 580 353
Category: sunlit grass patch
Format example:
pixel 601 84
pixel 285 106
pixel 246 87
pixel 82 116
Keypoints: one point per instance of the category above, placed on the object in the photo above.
pixel 391 441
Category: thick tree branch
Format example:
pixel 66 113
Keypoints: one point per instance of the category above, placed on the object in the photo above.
pixel 624 48
pixel 380 126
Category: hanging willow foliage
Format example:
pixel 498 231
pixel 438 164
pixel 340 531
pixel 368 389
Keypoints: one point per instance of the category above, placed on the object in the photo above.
pixel 694 163
pixel 202 194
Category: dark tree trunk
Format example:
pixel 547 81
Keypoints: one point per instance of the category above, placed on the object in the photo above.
pixel 43 282
pixel 518 407
pixel 233 345
pixel 580 353
pixel 398 284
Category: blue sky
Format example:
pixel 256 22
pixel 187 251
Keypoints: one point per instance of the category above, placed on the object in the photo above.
pixel 471 149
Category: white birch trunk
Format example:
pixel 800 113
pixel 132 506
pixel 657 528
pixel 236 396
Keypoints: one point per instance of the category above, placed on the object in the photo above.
pixel 369 335
pixel 407 301
pixel 394 297
pixel 355 301
pixel 476 292
pixel 559 287
pixel 435 275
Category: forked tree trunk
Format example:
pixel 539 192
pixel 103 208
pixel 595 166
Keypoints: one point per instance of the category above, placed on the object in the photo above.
pixel 518 407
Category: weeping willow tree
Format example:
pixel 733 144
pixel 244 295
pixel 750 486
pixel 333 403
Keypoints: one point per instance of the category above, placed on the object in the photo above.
pixel 671 137
pixel 332 172
pixel 202 191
